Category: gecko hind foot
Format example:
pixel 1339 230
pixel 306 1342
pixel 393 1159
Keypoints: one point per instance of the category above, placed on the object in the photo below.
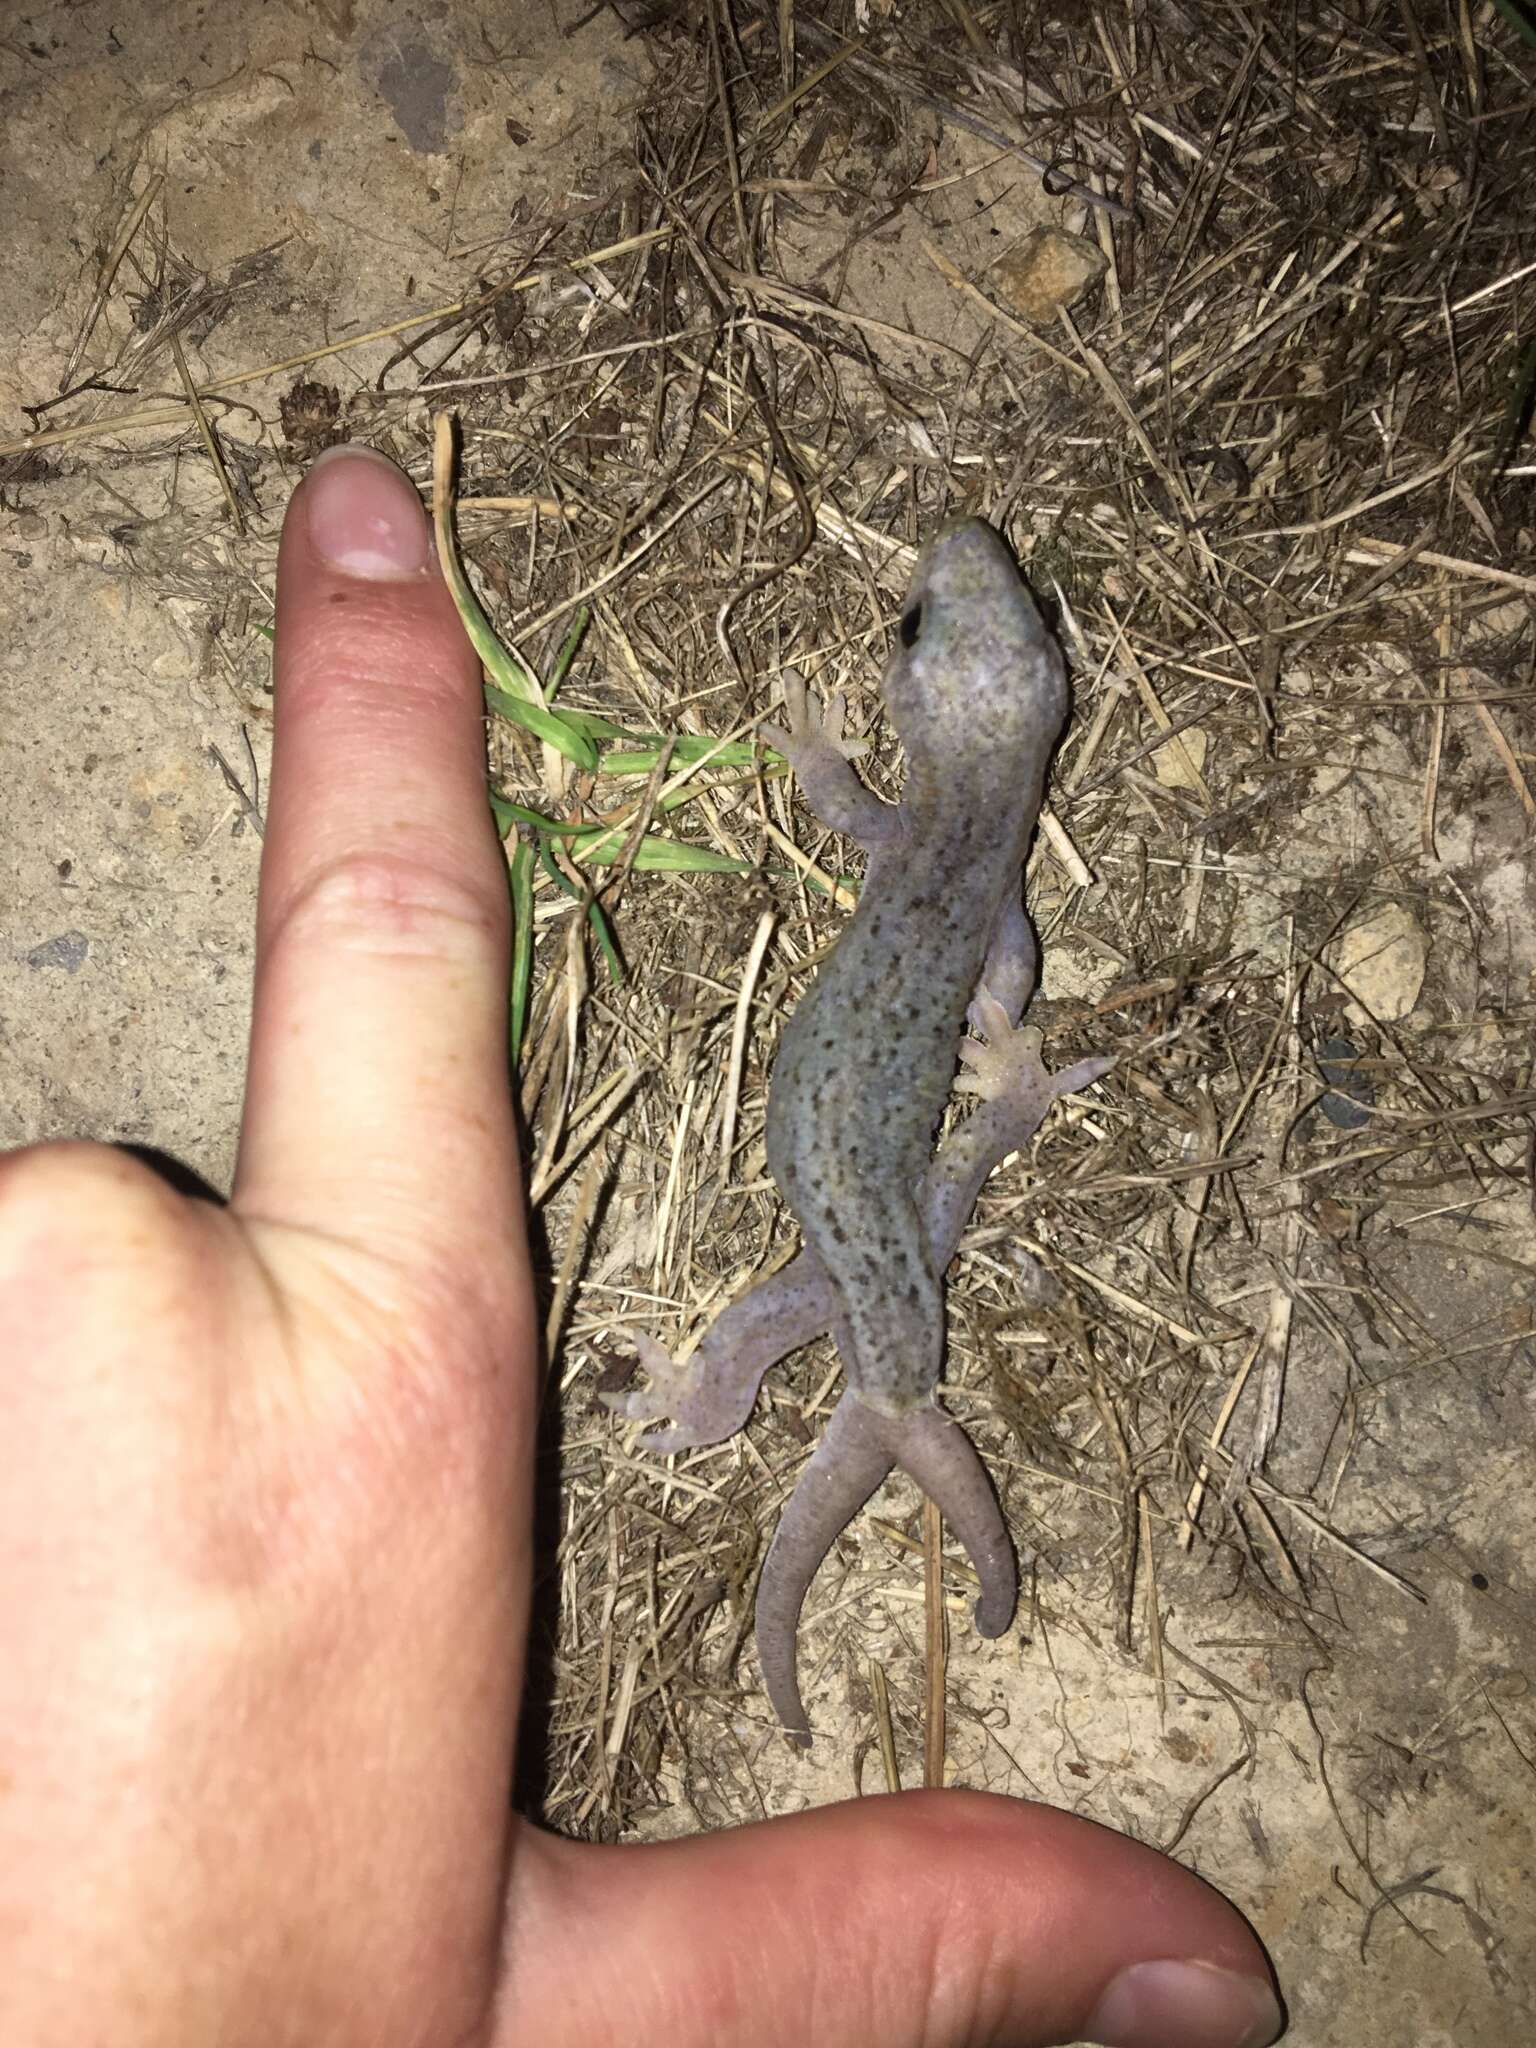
pixel 1008 1067
pixel 710 1395
pixel 677 1390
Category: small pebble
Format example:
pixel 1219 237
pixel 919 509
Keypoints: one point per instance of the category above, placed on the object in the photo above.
pixel 68 951
pixel 1350 1093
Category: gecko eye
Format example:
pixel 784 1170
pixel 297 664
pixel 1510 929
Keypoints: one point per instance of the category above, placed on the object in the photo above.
pixel 911 626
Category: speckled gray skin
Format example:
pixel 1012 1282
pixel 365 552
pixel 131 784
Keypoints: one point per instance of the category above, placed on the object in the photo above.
pixel 977 694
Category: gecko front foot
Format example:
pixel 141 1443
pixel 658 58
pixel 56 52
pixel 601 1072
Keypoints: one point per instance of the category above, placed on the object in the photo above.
pixel 807 730
pixel 812 741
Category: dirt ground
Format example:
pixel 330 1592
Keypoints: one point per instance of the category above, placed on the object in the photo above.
pixel 1323 1701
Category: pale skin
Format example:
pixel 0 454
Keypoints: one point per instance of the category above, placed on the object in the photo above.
pixel 265 1541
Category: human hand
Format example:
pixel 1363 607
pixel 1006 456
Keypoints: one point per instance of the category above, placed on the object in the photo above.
pixel 264 1529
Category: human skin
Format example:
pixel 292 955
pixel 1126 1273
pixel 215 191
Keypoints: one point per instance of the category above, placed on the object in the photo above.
pixel 265 1531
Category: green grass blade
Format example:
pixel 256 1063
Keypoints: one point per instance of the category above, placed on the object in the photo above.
pixel 544 725
pixel 522 700
pixel 688 747
pixel 520 869
pixel 596 727
pixel 507 814
pixel 548 725
pixel 656 854
pixel 1521 16
pixel 567 654
pixel 595 917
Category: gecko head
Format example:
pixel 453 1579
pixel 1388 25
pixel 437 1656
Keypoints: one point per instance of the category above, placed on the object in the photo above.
pixel 973 660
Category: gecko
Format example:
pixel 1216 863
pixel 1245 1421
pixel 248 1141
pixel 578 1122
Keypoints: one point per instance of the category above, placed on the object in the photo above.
pixel 976 692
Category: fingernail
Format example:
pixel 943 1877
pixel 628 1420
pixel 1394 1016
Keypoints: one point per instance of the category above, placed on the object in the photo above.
pixel 1185 2005
pixel 364 514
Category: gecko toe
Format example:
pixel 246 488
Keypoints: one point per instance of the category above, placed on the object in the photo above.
pixel 1083 1074
pixel 669 1382
pixel 661 1443
pixel 991 1015
pixel 654 1356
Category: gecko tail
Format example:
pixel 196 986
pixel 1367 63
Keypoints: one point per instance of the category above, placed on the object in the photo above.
pixel 851 1460
pixel 932 1448
pixel 856 1453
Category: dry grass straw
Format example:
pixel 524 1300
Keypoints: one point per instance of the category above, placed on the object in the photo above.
pixel 1227 465
pixel 1275 396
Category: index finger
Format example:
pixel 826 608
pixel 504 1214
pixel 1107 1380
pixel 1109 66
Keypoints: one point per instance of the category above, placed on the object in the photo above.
pixel 378 1091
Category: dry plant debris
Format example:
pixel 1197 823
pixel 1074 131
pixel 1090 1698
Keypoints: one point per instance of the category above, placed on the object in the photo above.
pixel 1272 473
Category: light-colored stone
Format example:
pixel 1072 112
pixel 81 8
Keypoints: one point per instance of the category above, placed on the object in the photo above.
pixel 1179 763
pixel 1047 270
pixel 1380 958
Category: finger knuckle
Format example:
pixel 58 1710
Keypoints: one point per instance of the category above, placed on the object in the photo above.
pixel 392 904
